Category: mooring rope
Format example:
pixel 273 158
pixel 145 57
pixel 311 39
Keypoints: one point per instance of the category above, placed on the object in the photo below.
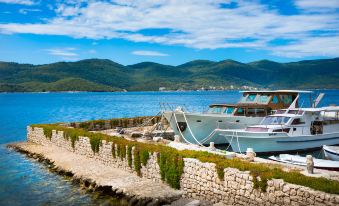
pixel 209 136
pixel 236 132
pixel 176 121
pixel 189 128
pixel 230 141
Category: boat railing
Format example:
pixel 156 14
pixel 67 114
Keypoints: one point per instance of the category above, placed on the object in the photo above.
pixel 171 106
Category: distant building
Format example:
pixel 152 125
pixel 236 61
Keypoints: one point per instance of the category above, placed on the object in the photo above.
pixel 162 88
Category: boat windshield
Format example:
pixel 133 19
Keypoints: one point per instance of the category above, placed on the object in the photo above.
pixel 215 109
pixel 229 110
pixel 275 120
pixel 255 98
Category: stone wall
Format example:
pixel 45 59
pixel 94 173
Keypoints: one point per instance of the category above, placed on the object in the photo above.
pixel 200 180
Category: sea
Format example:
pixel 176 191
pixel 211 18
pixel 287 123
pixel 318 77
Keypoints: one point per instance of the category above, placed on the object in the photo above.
pixel 24 181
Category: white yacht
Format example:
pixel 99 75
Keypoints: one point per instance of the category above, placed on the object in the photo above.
pixel 201 128
pixel 288 130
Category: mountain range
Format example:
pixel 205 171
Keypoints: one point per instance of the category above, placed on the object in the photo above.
pixel 106 75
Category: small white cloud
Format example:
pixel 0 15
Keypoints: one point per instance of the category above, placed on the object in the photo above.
pixel 63 52
pixel 92 51
pixel 316 4
pixel 23 2
pixel 149 53
pixel 25 11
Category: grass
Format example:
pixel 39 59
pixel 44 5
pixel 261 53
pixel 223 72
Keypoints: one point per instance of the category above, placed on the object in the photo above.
pixel 116 122
pixel 171 161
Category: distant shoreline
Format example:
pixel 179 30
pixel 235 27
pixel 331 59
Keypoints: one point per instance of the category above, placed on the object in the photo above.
pixel 228 90
pixel 99 75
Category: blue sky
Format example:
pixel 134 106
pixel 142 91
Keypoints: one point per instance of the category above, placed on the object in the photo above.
pixel 168 31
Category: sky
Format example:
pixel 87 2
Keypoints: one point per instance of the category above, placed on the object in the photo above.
pixel 168 31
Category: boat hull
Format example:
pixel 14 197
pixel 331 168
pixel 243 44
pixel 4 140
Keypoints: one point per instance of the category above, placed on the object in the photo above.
pixel 200 127
pixel 301 161
pixel 331 154
pixel 263 142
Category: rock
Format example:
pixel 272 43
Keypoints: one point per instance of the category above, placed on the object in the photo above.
pixel 193 203
pixel 157 139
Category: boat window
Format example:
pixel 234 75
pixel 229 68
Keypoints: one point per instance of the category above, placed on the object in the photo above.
pixel 215 109
pixel 292 111
pixel 229 110
pixel 300 112
pixel 297 121
pixel 240 111
pixel 275 120
pixel 280 111
pixel 275 99
pixel 286 99
pixel 251 97
pixel 256 112
pixel 250 111
pixel 287 130
pixel 263 99
pixel 243 98
pixel 260 111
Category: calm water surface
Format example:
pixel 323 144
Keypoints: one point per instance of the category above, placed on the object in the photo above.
pixel 26 182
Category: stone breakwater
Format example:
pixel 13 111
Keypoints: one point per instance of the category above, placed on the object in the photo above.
pixel 199 180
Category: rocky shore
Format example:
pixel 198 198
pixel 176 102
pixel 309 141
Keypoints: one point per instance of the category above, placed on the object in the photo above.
pixel 95 176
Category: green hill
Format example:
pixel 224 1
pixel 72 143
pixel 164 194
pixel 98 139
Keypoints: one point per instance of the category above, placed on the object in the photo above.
pixel 106 75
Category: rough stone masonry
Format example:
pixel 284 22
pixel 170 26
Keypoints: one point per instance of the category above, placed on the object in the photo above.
pixel 200 180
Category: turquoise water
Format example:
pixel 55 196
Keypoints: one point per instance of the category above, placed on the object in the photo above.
pixel 26 182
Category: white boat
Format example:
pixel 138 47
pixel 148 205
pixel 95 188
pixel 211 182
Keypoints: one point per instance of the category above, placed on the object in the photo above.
pixel 331 152
pixel 288 130
pixel 301 161
pixel 201 128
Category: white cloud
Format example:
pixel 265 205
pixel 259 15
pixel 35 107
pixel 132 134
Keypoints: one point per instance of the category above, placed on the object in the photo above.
pixel 23 2
pixel 316 4
pixel 25 11
pixel 195 24
pixel 148 53
pixel 92 51
pixel 63 52
pixel 309 47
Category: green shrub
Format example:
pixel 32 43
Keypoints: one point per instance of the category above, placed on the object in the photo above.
pixel 84 125
pixel 95 142
pixel 144 157
pixel 171 168
pixel 118 150
pixel 137 162
pixel 48 133
pixel 69 134
pixel 129 155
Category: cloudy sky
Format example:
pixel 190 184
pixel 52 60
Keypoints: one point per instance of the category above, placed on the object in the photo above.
pixel 168 31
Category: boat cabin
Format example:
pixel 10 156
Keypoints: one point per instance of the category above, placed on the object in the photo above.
pixel 306 121
pixel 257 103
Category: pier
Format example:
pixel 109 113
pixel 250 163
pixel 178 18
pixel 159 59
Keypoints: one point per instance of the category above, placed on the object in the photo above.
pixel 151 173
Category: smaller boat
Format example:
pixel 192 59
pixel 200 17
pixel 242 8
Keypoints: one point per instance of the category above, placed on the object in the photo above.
pixel 301 161
pixel 331 152
pixel 291 129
